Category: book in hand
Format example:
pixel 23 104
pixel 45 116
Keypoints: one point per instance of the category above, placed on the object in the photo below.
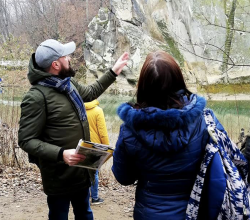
pixel 96 154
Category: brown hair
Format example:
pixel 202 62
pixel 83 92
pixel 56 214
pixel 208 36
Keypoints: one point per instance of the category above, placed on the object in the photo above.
pixel 159 80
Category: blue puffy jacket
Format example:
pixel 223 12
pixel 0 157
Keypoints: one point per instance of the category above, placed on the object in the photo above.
pixel 162 149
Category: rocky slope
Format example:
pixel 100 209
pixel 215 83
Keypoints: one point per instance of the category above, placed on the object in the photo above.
pixel 193 31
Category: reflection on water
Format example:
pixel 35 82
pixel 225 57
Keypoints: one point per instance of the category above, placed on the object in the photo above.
pixel 233 115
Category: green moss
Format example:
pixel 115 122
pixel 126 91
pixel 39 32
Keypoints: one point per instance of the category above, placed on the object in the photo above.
pixel 156 35
pixel 102 23
pixel 172 47
pixel 225 88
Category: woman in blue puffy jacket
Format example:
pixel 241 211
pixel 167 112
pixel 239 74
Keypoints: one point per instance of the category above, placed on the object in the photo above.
pixel 162 140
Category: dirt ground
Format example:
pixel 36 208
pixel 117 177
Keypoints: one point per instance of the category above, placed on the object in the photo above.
pixel 22 198
pixel 116 206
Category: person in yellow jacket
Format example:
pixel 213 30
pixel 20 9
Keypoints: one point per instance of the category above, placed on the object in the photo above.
pixel 98 134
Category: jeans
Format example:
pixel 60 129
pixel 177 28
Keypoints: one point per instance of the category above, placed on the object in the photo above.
pixel 94 187
pixel 59 206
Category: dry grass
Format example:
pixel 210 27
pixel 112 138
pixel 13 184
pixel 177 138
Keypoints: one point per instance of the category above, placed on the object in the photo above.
pixel 13 86
pixel 10 153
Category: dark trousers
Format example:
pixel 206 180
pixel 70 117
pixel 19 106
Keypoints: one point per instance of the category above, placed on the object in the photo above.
pixel 59 206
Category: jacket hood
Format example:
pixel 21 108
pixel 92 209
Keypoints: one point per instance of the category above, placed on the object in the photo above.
pixel 163 130
pixel 90 105
pixel 35 73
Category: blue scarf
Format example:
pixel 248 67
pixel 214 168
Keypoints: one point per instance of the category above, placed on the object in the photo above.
pixel 64 85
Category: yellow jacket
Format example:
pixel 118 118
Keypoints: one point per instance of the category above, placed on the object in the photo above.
pixel 97 125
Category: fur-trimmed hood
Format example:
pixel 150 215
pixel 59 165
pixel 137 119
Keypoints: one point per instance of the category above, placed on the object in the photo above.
pixel 182 123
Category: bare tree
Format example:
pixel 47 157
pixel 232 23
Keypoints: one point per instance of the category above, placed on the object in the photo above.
pixel 37 20
pixel 87 10
pixel 4 20
pixel 229 53
pixel 229 35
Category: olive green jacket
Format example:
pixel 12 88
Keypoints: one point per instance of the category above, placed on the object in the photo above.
pixel 45 128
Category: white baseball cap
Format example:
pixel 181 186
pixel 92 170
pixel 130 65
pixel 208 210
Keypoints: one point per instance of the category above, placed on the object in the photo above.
pixel 51 50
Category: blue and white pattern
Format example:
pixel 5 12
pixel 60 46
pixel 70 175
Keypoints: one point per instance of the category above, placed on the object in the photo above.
pixel 64 85
pixel 236 198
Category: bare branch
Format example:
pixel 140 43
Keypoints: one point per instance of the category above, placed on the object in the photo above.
pixel 210 59
pixel 216 25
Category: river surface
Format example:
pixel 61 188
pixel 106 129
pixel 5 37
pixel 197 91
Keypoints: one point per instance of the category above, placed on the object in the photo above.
pixel 233 115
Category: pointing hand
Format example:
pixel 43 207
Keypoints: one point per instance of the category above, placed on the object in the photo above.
pixel 120 63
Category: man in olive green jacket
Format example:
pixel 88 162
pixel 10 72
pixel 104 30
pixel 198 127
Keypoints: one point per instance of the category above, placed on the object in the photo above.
pixel 52 122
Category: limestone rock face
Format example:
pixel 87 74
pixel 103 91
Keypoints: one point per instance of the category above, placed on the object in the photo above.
pixel 192 31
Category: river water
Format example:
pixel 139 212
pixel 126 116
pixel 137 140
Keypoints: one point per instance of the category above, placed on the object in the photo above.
pixel 233 115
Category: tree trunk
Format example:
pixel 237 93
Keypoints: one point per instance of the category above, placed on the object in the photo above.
pixel 87 10
pixel 229 38
pixel 4 20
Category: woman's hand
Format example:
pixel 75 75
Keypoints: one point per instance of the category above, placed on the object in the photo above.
pixel 120 63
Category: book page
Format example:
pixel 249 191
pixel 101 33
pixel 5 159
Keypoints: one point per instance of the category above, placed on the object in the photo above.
pixel 94 157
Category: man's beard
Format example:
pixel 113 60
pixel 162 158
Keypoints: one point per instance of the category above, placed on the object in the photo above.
pixel 66 73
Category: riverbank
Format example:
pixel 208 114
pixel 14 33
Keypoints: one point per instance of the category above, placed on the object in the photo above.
pixel 226 97
pixel 11 80
pixel 227 92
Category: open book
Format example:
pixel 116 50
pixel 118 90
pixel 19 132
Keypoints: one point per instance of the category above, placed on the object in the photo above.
pixel 96 154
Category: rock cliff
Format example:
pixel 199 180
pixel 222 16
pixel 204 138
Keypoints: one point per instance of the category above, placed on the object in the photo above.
pixel 194 32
